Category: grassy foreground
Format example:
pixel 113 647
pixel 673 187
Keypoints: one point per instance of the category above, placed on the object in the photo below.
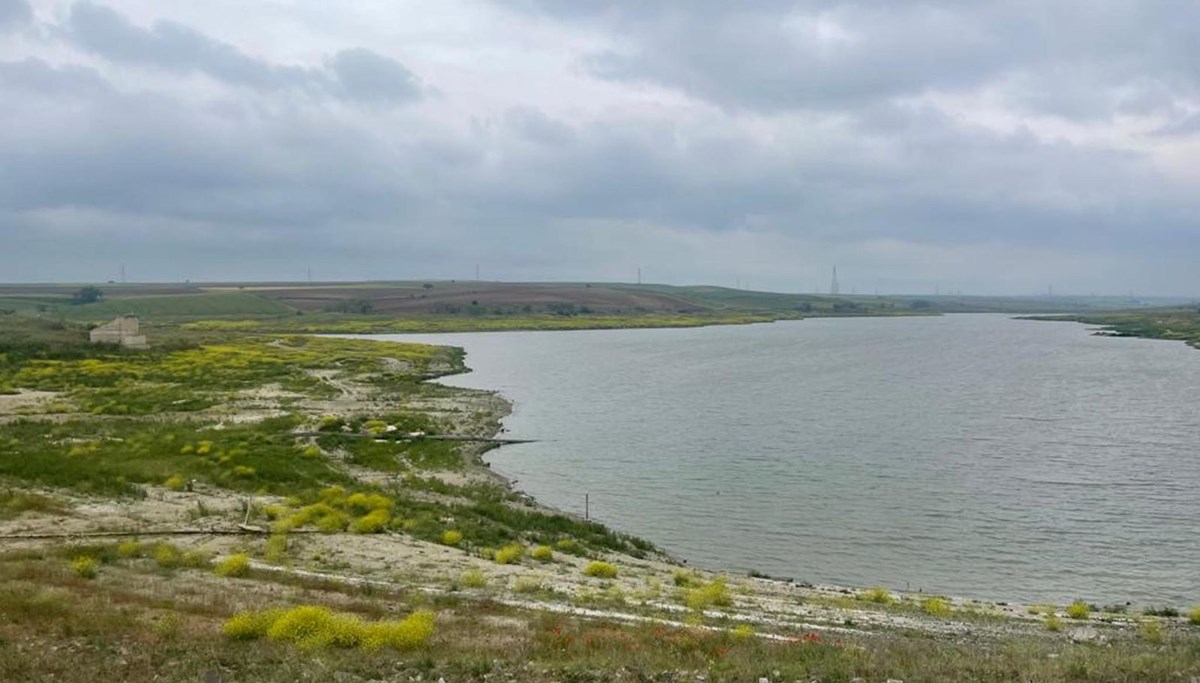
pixel 243 507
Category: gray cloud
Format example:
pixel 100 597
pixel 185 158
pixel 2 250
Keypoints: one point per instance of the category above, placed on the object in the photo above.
pixel 1076 59
pixel 354 74
pixel 14 14
pixel 818 152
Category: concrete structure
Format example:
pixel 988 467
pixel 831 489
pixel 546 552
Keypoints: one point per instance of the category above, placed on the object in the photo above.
pixel 122 331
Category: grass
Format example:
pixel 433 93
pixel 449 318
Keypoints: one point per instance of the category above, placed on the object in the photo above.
pixel 451 537
pixel 42 604
pixel 1078 610
pixel 1193 616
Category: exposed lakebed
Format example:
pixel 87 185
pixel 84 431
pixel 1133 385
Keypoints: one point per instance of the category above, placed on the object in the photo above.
pixel 973 455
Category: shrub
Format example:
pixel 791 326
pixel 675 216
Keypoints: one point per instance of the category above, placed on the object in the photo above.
pixel 569 546
pixel 937 607
pixel 878 595
pixel 527 585
pixel 250 625
pixel 234 565
pixel 705 595
pixel 167 556
pixel 542 553
pixel 451 537
pixel 1053 623
pixel 1193 616
pixel 685 579
pixel 410 633
pixel 601 570
pixel 509 554
pixel 1078 610
pixel 128 549
pixel 196 559
pixel 372 522
pixel 85 566
pixel 176 482
pixel 473 578
pixel 311 626
pixel 277 548
pixel 743 632
pixel 1151 631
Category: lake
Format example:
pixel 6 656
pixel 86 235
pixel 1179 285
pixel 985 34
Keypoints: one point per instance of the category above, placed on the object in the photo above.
pixel 972 455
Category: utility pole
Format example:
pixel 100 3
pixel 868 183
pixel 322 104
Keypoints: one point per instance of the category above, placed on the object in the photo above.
pixel 477 272
pixel 309 271
pixel 833 286
pixel 639 275
pixel 122 273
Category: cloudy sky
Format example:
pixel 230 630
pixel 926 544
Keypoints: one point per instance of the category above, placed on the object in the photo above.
pixel 996 147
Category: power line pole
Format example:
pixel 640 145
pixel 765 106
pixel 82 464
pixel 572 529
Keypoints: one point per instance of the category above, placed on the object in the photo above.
pixel 639 275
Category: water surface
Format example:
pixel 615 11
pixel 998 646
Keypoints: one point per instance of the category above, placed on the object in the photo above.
pixel 972 455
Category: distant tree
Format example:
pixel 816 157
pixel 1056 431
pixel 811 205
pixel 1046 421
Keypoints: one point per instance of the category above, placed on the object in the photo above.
pixel 920 304
pixel 88 295
pixel 427 285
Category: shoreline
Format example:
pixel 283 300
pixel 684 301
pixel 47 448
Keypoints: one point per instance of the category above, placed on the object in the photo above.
pixel 724 567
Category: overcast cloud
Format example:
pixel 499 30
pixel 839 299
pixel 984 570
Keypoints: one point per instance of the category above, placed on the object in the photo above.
pixel 993 147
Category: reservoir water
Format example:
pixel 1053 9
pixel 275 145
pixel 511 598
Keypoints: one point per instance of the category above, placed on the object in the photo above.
pixel 972 455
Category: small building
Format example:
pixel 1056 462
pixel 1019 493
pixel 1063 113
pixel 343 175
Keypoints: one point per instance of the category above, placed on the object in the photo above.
pixel 122 331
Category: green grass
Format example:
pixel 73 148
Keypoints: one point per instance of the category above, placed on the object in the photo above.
pixel 206 305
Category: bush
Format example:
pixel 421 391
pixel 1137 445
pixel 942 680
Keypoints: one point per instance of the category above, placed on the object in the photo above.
pixel 311 626
pixel 85 566
pixel 743 632
pixel 408 634
pixel 705 595
pixel 234 565
pixel 451 537
pixel 878 595
pixel 685 579
pixel 542 553
pixel 509 554
pixel 1193 616
pixel 167 556
pixel 128 549
pixel 1152 632
pixel 250 625
pixel 937 607
pixel 277 548
pixel 527 585
pixel 1078 610
pixel 372 522
pixel 473 578
pixel 1053 623
pixel 601 570
pixel 176 482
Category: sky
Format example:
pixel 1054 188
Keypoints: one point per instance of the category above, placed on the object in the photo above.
pixel 1001 147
